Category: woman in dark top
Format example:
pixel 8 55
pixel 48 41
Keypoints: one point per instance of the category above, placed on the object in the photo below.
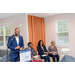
pixel 42 51
pixel 53 52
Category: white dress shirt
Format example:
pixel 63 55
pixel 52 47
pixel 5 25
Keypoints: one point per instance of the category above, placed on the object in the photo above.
pixel 17 40
pixel 43 50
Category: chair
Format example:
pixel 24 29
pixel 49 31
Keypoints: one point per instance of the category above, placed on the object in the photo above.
pixel 67 58
pixel 65 51
pixel 51 60
pixel 3 55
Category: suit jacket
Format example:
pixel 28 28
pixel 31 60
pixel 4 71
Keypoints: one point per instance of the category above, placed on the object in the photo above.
pixel 33 51
pixel 13 44
pixel 40 51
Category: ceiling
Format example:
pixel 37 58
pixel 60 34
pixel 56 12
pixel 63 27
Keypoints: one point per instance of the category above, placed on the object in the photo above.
pixel 5 15
pixel 45 14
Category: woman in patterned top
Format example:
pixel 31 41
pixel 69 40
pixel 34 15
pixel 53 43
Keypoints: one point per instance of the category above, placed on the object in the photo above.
pixel 53 52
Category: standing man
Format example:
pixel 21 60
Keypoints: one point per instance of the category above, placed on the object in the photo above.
pixel 15 44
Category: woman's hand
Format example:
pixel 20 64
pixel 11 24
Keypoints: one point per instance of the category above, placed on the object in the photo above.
pixel 54 52
pixel 46 53
pixel 31 53
pixel 51 52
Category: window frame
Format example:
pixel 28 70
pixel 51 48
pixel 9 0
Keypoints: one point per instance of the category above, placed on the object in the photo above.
pixel 4 35
pixel 61 45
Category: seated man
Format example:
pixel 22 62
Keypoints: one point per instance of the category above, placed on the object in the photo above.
pixel 33 53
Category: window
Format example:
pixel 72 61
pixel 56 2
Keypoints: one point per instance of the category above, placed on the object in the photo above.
pixel 4 35
pixel 62 35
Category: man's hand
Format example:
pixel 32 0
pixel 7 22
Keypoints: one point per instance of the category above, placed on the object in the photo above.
pixel 21 48
pixel 18 47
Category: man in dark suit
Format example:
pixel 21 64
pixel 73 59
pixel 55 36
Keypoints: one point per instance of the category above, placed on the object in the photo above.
pixel 15 44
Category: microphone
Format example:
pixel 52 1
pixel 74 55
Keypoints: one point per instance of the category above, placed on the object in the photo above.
pixel 16 34
pixel 12 38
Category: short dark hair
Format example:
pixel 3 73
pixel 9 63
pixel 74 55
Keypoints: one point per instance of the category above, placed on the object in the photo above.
pixel 29 43
pixel 39 42
pixel 16 28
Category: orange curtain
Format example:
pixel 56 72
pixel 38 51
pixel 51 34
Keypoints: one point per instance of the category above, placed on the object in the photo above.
pixel 36 28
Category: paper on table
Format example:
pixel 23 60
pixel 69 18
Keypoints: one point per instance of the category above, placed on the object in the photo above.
pixel 43 55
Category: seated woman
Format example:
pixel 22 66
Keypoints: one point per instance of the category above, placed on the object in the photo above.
pixel 53 52
pixel 42 51
pixel 33 53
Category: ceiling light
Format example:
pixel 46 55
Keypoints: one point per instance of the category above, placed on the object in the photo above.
pixel 50 13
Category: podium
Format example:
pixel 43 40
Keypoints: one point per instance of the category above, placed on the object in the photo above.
pixel 25 55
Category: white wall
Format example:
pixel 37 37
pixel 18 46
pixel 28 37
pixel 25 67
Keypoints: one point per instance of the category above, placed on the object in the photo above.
pixel 14 22
pixel 51 30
